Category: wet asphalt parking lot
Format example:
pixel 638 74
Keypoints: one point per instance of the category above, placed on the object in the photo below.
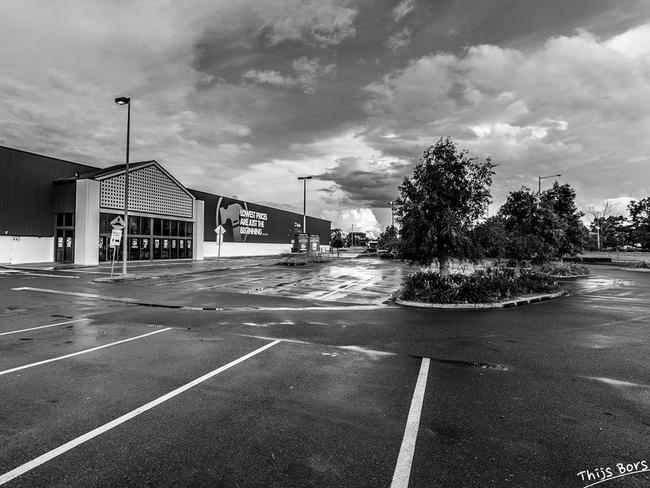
pixel 277 376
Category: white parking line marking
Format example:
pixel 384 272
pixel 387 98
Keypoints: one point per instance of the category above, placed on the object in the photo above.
pixel 85 351
pixel 405 458
pixel 14 473
pixel 26 273
pixel 77 294
pixel 41 327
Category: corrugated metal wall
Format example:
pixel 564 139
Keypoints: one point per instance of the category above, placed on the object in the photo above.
pixel 27 195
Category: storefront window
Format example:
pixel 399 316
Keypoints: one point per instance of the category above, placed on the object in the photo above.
pixel 167 243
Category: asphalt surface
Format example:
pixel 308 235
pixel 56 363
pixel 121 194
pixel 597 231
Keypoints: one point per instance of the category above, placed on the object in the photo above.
pixel 549 394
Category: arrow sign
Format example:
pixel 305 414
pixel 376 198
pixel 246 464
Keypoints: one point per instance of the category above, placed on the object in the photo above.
pixel 118 223
pixel 220 230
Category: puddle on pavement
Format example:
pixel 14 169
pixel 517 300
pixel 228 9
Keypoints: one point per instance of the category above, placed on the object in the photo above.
pixel 614 382
pixel 600 341
pixel 369 352
pixel 471 364
pixel 10 311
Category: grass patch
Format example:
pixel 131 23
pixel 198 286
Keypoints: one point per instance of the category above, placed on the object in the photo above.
pixel 641 264
pixel 483 286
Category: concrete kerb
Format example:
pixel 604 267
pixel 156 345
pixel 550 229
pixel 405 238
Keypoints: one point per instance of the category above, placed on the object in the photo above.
pixel 478 306
pixel 638 270
pixel 568 278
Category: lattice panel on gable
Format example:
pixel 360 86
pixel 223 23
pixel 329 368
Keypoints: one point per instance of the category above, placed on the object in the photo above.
pixel 150 191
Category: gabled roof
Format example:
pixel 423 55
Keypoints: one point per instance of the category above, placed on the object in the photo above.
pixel 119 169
pixel 102 173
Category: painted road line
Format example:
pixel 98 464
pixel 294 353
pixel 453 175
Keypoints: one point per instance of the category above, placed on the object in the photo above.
pixel 77 294
pixel 34 463
pixel 340 289
pixel 405 458
pixel 41 327
pixel 82 271
pixel 85 351
pixel 27 273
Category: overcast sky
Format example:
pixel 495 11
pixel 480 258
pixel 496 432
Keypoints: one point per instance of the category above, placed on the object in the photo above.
pixel 239 97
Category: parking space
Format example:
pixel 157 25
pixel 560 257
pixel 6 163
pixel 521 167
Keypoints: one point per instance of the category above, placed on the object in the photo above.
pixel 318 391
pixel 91 403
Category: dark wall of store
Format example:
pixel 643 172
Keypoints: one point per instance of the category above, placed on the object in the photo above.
pixel 249 222
pixel 27 192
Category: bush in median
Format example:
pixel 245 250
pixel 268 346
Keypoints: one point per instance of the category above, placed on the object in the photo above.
pixel 483 286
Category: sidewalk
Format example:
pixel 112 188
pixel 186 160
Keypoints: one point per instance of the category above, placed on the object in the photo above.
pixel 152 269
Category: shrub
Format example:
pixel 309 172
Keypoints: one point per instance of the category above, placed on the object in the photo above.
pixel 641 264
pixel 483 286
pixel 570 269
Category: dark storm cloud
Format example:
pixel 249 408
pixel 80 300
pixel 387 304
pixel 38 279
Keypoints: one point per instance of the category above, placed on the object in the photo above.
pixel 250 94
pixel 372 188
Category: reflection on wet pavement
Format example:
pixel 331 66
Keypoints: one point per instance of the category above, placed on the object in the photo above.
pixel 368 281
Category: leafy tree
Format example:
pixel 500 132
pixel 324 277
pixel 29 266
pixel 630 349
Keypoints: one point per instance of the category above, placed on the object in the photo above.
pixel 640 222
pixel 440 204
pixel 388 239
pixel 354 239
pixel 491 237
pixel 336 238
pixel 568 231
pixel 542 227
pixel 529 227
pixel 611 231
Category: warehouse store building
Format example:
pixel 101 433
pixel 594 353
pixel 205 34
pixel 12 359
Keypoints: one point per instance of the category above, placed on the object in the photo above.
pixel 53 210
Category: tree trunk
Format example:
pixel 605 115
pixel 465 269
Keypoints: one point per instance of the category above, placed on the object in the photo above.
pixel 444 266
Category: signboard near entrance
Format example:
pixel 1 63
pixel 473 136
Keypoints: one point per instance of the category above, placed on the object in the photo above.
pixel 116 237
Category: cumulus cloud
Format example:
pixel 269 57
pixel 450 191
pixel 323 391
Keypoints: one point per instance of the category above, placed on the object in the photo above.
pixel 306 73
pixel 576 104
pixel 359 219
pixel 319 22
pixel 403 9
pixel 399 40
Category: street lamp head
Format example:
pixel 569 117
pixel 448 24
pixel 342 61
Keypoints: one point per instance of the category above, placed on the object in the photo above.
pixel 123 100
pixel 305 177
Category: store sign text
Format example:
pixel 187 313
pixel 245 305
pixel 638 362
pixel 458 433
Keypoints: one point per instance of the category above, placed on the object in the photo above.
pixel 251 222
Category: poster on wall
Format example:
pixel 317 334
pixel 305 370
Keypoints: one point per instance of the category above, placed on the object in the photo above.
pixel 246 222
pixel 239 221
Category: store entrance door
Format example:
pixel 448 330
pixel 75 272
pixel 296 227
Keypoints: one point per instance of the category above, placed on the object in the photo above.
pixel 64 246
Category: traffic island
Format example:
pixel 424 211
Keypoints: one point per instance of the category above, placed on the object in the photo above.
pixel 494 287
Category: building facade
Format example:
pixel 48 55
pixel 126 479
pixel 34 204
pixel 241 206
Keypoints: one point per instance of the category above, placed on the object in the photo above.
pixel 59 211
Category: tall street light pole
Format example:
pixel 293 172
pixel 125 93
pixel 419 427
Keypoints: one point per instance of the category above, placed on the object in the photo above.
pixel 126 101
pixel 392 214
pixel 304 202
pixel 539 182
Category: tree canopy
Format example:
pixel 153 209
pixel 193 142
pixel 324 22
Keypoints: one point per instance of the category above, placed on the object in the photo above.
pixel 640 222
pixel 440 204
pixel 541 227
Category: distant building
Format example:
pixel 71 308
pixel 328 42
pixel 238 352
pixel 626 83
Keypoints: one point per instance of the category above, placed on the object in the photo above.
pixel 53 210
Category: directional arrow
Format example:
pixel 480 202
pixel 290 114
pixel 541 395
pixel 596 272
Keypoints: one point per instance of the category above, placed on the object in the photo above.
pixel 220 230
